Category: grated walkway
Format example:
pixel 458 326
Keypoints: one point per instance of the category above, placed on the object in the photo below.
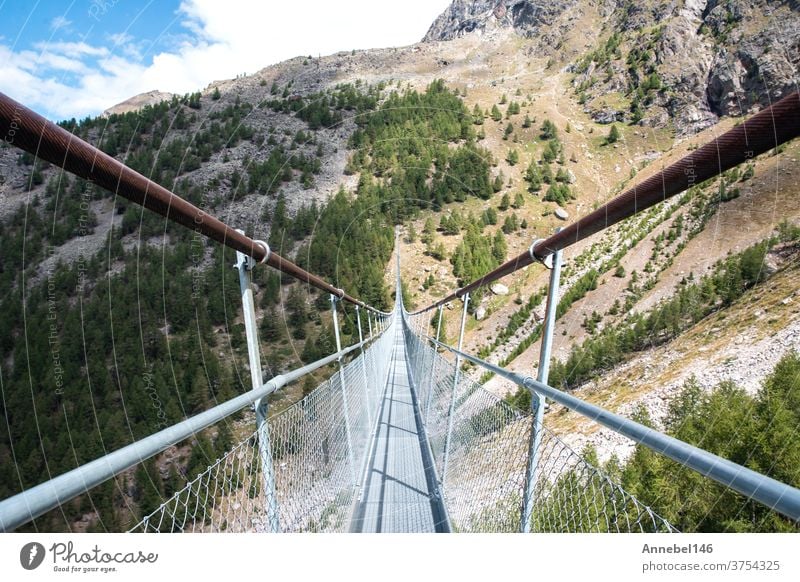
pixel 398 484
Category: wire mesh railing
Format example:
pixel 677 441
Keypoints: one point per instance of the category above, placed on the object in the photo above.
pixel 484 483
pixel 314 471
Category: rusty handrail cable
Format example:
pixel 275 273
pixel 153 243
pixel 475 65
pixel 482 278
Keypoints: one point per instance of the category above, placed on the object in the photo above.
pixel 29 131
pixel 765 130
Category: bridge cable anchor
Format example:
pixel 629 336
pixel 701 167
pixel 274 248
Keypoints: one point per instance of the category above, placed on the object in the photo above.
pixel 547 260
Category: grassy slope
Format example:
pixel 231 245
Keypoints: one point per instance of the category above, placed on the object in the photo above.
pixel 740 343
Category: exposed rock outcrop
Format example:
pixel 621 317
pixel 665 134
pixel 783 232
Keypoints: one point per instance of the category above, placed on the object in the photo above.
pixel 526 17
pixel 138 102
pixel 755 70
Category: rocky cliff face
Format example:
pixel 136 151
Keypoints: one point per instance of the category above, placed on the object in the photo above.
pixel 526 17
pixel 688 61
pixel 727 58
pixel 757 56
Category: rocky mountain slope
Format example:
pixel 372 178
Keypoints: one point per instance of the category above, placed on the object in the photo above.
pixel 686 63
pixel 531 19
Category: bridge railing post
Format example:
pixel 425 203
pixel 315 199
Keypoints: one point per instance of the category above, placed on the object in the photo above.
pixel 432 376
pixel 374 374
pixel 426 360
pixel 419 357
pixel 538 401
pixel 244 265
pixel 367 400
pixel 451 410
pixel 343 385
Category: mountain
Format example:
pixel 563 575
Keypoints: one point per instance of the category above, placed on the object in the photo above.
pixel 138 102
pixel 527 18
pixel 687 63
pixel 507 119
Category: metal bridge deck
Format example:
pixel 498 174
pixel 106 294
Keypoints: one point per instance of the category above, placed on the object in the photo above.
pixel 398 482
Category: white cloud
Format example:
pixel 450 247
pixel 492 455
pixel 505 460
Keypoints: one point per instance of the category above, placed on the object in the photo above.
pixel 120 38
pixel 71 50
pixel 59 22
pixel 58 62
pixel 227 38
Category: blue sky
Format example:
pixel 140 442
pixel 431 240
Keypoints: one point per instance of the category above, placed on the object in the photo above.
pixel 79 57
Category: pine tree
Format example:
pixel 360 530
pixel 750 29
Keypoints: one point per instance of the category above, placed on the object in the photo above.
pixel 499 180
pixel 547 174
pixel 269 327
pixel 202 455
pixel 148 492
pixel 477 115
pixel 439 252
pixel 298 312
pixel 505 202
pixel 511 224
pixel 613 134
pixel 499 248
pixel 548 130
pixel 534 177
pixel 197 400
pixel 224 439
pixel 551 151
pixel 557 194
pixel 441 328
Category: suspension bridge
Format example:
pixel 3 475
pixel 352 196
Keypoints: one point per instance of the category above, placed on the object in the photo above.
pixel 400 438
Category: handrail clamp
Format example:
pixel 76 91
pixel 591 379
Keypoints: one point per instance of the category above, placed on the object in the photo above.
pixel 547 260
